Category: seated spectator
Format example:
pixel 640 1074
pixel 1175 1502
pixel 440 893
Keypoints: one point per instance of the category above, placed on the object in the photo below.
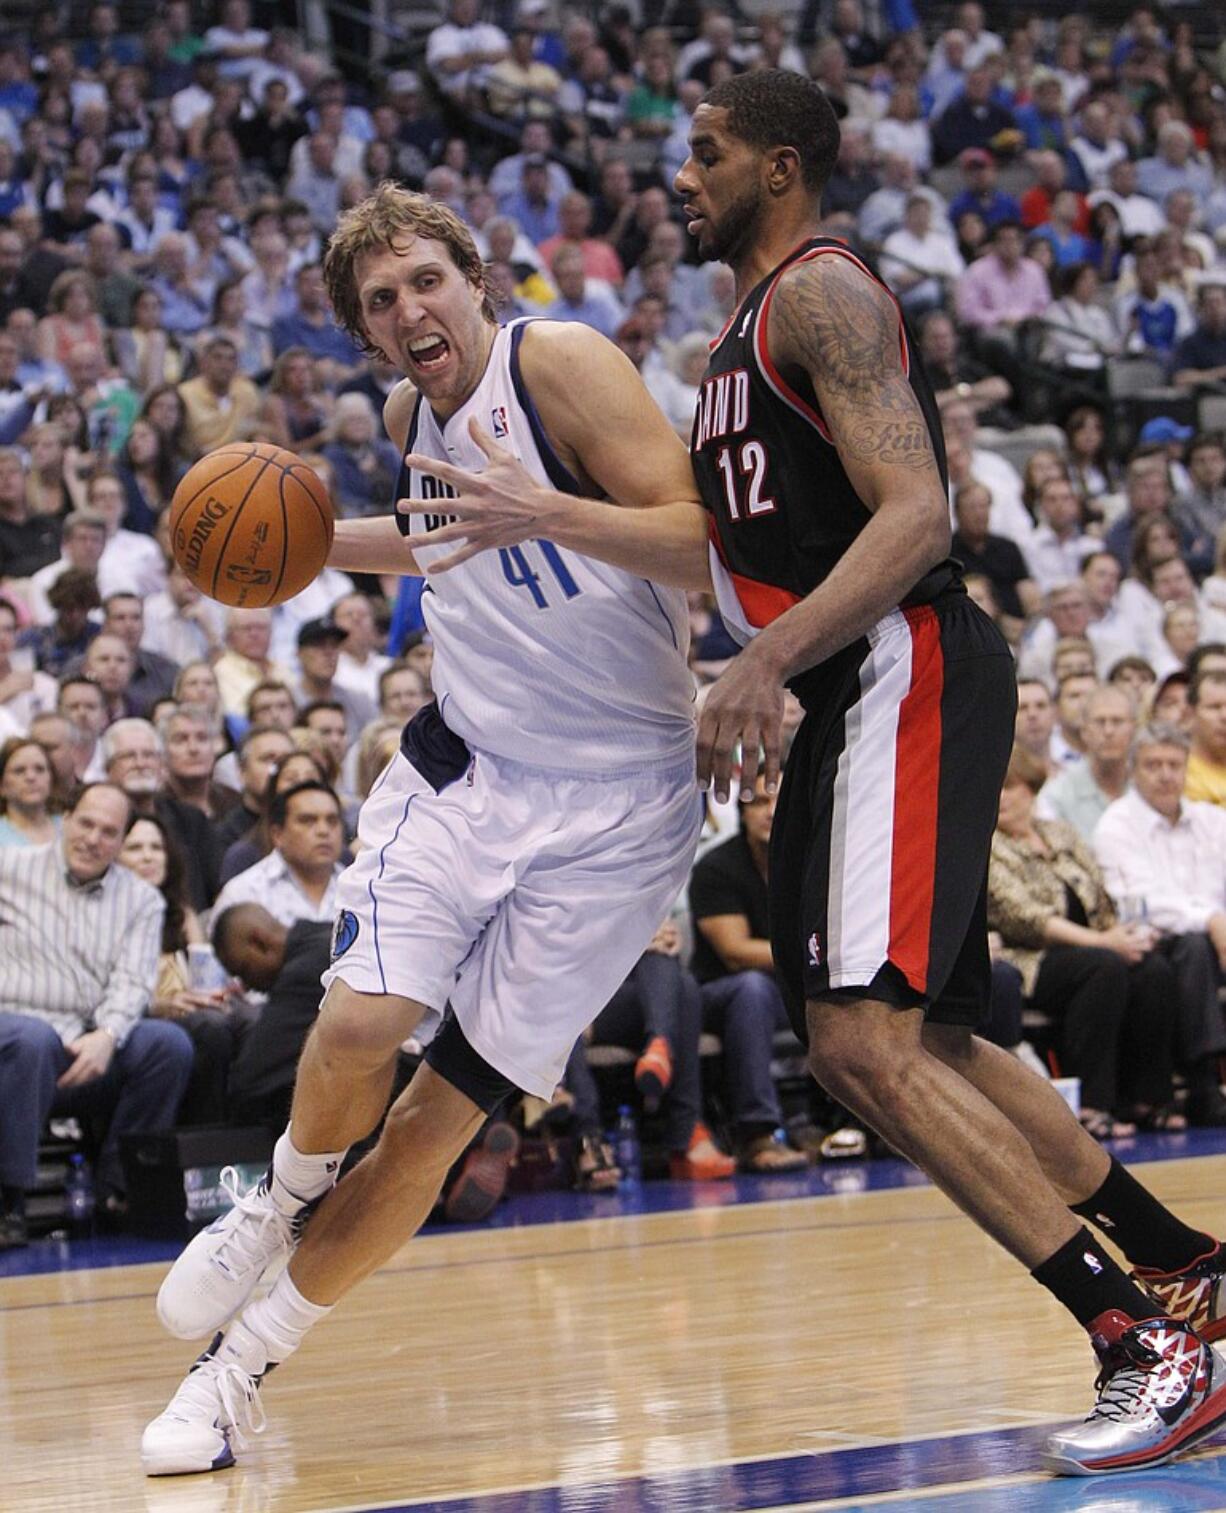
pixel 1089 462
pixel 285 962
pixel 996 557
pixel 1079 795
pixel 463 49
pixel 533 206
pixel 146 353
pixel 903 130
pixel 361 663
pixel 1206 779
pixel 27 813
pixel 109 664
pixel 658 1011
pixel 1170 701
pixel 296 410
pixel 600 261
pixel 130 561
pixel 521 85
pixel 134 758
pixel 254 844
pixel 1199 361
pixel 593 304
pixel 1097 147
pixel 919 262
pixel 27 541
pixel 81 948
pixel 1067 742
pixel 270 706
pixel 73 320
pixel 536 141
pixel 882 213
pixel 956 375
pixel 1043 120
pixel 252 342
pixel 311 328
pixel 1003 288
pixel 365 465
pixel 297 879
pixel 1063 228
pixel 259 752
pixel 188 739
pixel 220 404
pixel 982 194
pixel 1176 165
pixel 1102 982
pixel 152 675
pixel 1059 545
pixel 402 692
pixel 1147 490
pixel 742 1002
pixel 246 661
pixel 149 472
pixel 1200 509
pixel 71 599
pixel 23 693
pixel 205 1014
pixel 1078 333
pixel 1110 630
pixel 1035 723
pixel 185 305
pixel 319 647
pixel 853 180
pixel 235 41
pixel 81 702
pixel 1165 856
pixel 1010 516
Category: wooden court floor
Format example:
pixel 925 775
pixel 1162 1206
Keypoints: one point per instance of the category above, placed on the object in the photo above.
pixel 610 1353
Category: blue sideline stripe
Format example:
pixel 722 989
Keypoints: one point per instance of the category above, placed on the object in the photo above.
pixel 870 1472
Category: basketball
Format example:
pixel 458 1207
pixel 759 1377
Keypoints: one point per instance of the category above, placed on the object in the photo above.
pixel 251 524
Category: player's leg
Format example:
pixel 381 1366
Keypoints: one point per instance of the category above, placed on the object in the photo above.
pixel 344 1079
pixel 359 1225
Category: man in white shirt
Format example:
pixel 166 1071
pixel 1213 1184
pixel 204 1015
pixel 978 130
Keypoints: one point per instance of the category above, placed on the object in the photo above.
pixel 917 261
pixel 461 50
pixel 81 545
pixel 297 879
pixel 1059 547
pixel 238 44
pixel 1097 147
pixel 180 622
pixel 360 663
pixel 1009 516
pixel 1109 630
pixel 130 562
pixel 1164 857
pixel 1139 216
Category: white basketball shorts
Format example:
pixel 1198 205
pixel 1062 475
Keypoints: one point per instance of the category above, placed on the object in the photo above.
pixel 521 897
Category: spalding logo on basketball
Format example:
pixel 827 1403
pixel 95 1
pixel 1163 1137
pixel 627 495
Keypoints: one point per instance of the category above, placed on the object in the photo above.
pixel 251 525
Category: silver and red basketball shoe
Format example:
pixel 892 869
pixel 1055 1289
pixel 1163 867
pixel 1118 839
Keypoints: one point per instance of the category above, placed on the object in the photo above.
pixel 1161 1390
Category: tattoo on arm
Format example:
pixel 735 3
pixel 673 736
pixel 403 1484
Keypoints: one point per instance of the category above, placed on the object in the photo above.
pixel 829 319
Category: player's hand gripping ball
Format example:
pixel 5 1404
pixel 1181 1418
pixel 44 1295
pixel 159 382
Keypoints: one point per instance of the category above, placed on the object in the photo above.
pixel 251 524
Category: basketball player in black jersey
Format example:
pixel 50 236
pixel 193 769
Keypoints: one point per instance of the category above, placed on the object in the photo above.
pixel 818 452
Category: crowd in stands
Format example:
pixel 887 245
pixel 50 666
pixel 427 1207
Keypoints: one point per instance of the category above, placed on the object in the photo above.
pixel 1047 201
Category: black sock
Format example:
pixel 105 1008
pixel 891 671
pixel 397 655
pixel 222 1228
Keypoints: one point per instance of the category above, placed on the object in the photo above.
pixel 1146 1231
pixel 1083 1277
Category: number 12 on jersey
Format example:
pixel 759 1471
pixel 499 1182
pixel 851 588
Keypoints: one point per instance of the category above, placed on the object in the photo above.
pixel 518 572
pixel 750 464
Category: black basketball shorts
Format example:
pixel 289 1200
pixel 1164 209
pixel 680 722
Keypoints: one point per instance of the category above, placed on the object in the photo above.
pixel 880 843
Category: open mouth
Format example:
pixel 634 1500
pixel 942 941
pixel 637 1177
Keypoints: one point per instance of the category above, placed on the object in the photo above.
pixel 429 353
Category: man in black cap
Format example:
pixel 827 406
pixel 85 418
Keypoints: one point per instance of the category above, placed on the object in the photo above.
pixel 319 649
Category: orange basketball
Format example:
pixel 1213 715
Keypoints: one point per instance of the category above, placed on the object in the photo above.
pixel 251 524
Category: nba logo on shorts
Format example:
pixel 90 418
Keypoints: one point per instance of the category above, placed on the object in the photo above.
pixel 815 951
pixel 499 418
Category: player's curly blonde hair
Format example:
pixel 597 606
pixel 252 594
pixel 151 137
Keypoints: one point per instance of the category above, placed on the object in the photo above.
pixel 386 219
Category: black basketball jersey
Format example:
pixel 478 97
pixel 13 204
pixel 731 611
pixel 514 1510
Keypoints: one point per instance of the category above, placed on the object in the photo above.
pixel 783 510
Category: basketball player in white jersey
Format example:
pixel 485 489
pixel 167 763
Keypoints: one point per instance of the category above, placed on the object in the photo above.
pixel 522 847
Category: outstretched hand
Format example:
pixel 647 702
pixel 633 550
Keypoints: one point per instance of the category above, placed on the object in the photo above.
pixel 744 707
pixel 503 505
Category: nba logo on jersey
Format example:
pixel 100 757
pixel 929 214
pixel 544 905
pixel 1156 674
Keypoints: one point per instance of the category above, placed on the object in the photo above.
pixel 499 417
pixel 815 951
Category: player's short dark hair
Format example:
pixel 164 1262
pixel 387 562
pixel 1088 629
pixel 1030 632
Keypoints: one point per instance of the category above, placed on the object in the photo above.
pixel 778 108
pixel 278 810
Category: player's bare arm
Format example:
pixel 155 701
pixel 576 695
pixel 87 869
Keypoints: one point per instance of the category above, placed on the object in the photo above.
pixel 376 546
pixel 614 439
pixel 829 321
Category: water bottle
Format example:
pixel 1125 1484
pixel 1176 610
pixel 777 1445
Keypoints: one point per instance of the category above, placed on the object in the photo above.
pixel 205 973
pixel 626 1149
pixel 79 1197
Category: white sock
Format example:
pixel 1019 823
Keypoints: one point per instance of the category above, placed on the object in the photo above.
pixel 280 1320
pixel 297 1178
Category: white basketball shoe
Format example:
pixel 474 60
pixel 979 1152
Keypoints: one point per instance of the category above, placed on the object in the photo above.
pixel 217 1272
pixel 216 1408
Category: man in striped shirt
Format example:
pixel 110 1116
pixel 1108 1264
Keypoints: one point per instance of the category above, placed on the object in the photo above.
pixel 79 939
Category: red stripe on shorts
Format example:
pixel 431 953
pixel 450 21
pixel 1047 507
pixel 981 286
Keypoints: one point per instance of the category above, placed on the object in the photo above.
pixel 917 778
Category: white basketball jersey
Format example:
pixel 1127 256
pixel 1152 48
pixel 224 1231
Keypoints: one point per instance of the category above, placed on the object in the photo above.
pixel 543 656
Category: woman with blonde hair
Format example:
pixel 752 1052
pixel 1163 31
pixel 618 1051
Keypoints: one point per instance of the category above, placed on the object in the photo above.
pixel 73 318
